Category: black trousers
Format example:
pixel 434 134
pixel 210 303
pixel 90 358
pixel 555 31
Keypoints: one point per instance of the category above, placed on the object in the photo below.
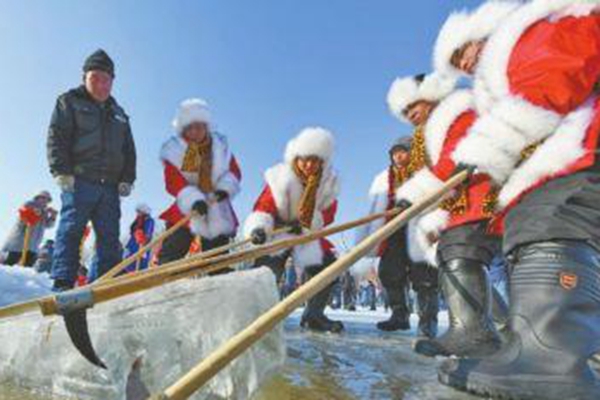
pixel 176 246
pixel 15 256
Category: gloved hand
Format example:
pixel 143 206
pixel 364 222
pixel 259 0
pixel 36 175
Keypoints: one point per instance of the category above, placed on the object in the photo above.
pixel 125 189
pixel 221 195
pixel 66 183
pixel 471 169
pixel 258 236
pixel 295 228
pixel 200 207
pixel 403 204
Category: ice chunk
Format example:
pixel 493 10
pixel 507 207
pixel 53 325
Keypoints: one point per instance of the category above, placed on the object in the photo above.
pixel 149 340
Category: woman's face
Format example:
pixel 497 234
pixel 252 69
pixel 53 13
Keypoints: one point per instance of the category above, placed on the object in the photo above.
pixel 309 165
pixel 467 57
pixel 196 132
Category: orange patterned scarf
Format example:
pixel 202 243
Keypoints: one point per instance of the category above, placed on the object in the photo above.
pixel 308 201
pixel 198 158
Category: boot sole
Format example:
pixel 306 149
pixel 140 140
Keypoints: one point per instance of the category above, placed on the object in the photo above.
pixel 522 387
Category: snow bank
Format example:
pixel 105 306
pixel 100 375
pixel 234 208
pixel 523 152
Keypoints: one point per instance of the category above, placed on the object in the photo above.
pixel 151 338
pixel 19 284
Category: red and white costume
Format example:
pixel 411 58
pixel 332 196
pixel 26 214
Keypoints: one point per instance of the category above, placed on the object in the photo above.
pixel 536 84
pixel 226 176
pixel 278 203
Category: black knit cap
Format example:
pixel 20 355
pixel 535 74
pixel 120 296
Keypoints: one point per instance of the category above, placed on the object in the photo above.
pixel 99 60
pixel 402 143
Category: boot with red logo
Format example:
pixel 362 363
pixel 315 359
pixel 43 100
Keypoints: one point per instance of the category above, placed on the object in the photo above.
pixel 554 330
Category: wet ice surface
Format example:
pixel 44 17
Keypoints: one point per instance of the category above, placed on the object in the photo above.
pixel 362 363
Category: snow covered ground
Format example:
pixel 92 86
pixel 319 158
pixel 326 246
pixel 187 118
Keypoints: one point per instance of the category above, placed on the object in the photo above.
pixel 362 363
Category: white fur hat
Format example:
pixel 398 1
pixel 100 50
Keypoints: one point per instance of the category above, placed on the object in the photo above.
pixel 464 26
pixel 406 91
pixel 190 111
pixel 143 208
pixel 312 141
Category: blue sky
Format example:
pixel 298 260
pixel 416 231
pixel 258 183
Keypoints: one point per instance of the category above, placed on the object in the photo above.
pixel 268 68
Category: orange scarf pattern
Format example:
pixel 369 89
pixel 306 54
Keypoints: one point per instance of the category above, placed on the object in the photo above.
pixel 198 158
pixel 308 201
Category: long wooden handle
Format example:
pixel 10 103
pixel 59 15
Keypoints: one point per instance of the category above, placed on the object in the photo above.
pixel 140 253
pixel 26 240
pixel 220 358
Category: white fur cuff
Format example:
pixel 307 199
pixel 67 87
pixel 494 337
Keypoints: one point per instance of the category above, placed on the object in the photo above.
pixel 533 123
pixel 258 220
pixel 420 185
pixel 187 197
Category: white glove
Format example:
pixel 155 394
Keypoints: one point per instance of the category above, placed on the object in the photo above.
pixel 66 183
pixel 125 189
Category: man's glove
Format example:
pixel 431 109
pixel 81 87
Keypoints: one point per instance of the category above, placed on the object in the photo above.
pixel 221 195
pixel 258 236
pixel 471 169
pixel 66 183
pixel 200 207
pixel 403 204
pixel 125 189
pixel 295 228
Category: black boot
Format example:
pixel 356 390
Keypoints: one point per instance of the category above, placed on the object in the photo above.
pixel 466 288
pixel 554 327
pixel 62 285
pixel 428 301
pixel 399 321
pixel 314 317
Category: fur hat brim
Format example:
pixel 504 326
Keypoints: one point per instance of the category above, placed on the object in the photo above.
pixel 312 141
pixel 190 111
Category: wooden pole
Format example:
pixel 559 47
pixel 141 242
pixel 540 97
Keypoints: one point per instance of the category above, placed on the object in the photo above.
pixel 229 351
pixel 26 240
pixel 140 253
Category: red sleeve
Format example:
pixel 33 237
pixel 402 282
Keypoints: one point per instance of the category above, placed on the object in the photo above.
pixel 234 167
pixel 174 179
pixel 556 64
pixel 29 216
pixel 329 213
pixel 444 169
pixel 266 202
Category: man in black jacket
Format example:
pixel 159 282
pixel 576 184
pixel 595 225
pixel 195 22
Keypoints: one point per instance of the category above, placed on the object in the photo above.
pixel 92 157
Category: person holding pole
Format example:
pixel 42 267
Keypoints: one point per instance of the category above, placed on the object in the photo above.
pixel 536 79
pixel 301 194
pixel 401 257
pixel 91 154
pixel 141 232
pixel 23 242
pixel 204 177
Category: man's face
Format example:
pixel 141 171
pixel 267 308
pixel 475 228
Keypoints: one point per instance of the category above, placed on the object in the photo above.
pixel 400 157
pixel 98 84
pixel 418 113
pixel 467 57
pixel 196 132
pixel 309 165
pixel 43 201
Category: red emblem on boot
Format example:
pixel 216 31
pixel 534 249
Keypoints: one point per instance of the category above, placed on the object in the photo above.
pixel 568 280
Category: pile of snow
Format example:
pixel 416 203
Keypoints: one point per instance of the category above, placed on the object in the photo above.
pixel 19 284
pixel 148 341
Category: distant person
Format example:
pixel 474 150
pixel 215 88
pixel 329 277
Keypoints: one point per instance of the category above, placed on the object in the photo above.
pixel 43 264
pixel 36 216
pixel 203 176
pixel 141 232
pixel 92 156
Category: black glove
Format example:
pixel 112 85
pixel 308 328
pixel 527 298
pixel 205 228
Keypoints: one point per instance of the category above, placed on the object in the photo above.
pixel 471 169
pixel 295 228
pixel 200 207
pixel 403 204
pixel 221 195
pixel 258 236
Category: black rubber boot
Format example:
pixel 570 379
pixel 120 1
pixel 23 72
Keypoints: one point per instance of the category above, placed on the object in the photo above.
pixel 314 317
pixel 466 288
pixel 399 321
pixel 428 301
pixel 554 325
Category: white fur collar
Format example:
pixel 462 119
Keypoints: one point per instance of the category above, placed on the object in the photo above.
pixel 442 118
